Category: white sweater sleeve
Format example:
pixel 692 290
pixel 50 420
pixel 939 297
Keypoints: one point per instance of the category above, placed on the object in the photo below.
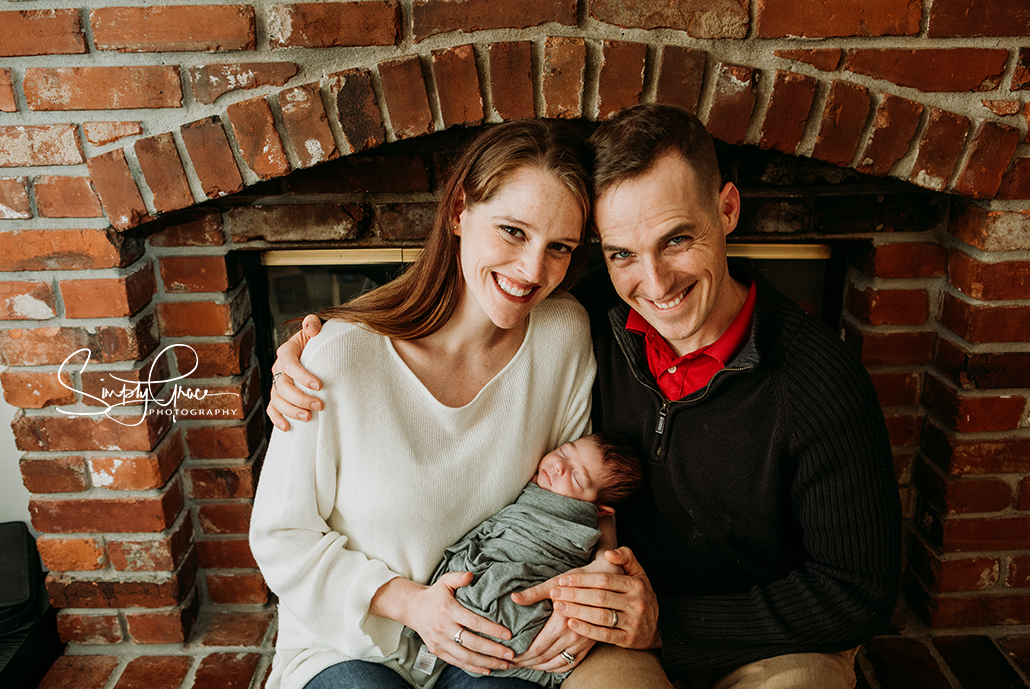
pixel 322 583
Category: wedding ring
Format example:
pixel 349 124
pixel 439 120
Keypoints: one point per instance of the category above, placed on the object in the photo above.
pixel 615 619
pixel 457 637
pixel 569 658
pixel 275 378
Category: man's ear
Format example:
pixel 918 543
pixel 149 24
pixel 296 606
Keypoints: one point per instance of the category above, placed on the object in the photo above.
pixel 729 207
pixel 605 511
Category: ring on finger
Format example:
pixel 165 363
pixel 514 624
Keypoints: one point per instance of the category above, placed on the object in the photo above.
pixel 276 378
pixel 615 619
pixel 457 637
pixel 569 658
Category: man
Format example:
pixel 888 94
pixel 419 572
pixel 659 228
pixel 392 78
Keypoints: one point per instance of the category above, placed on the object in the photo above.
pixel 764 547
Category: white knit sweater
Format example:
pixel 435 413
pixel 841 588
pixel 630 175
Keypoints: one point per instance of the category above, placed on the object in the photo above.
pixel 382 481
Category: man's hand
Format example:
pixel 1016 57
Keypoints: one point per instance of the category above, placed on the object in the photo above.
pixel 589 600
pixel 286 399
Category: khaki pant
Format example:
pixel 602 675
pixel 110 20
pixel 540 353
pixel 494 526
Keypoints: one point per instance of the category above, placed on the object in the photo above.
pixel 610 667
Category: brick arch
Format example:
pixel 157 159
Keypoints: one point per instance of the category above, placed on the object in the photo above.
pixel 362 107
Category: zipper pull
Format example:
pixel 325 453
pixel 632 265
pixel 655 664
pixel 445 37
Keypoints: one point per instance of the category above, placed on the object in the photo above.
pixel 660 428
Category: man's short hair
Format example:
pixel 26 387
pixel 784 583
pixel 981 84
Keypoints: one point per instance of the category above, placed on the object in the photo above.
pixel 632 140
pixel 622 466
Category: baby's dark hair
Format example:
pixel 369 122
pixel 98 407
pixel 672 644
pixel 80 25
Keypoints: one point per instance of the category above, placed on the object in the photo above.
pixel 622 462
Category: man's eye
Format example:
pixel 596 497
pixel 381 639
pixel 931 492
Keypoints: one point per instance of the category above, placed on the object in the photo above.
pixel 619 255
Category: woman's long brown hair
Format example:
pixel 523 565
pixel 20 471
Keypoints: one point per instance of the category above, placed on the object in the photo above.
pixel 421 300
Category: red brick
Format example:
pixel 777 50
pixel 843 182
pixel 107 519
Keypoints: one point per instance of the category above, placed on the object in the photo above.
pixel 730 114
pixel 219 402
pixel 904 429
pixel 457 85
pixel 8 103
pixel 48 144
pixel 149 514
pixel 224 518
pixel 198 227
pixel 155 672
pixel 961 495
pixel 334 24
pixel 152 470
pixel 26 301
pixel 901 260
pixel 1023 499
pixel 226 442
pixel 14 198
pixel 199 273
pixel 406 99
pixel 360 119
pixel 888 306
pixel 990 153
pixel 1018 574
pixel 991 230
pixel 972 413
pixel 71 433
pixel 66 197
pixel 511 79
pixel 789 108
pixel 216 359
pixel 109 297
pixel 1021 76
pixel 130 386
pixel 903 463
pixel 227 671
pixel 1016 182
pixel 697 18
pixel 987 370
pixel 237 589
pixel 894 127
pixel 42 32
pixel 212 158
pixel 305 223
pixel 61 474
pixel 985 323
pixel 89 629
pixel 681 74
pixel 847 110
pixel 118 192
pixel 237 629
pixel 103 133
pixel 939 149
pixel 952 18
pixel 34 390
pixel 950 573
pixel 225 554
pixel 102 88
pixel 176 28
pixel 170 626
pixel 976 661
pixel 155 555
pixel 79 672
pixel 204 318
pixel 52 346
pixel 210 81
pixel 1002 108
pixel 621 78
pixel 307 125
pixel 224 481
pixel 877 348
pixel 564 75
pixel 978 456
pixel 401 221
pixel 162 169
pixel 154 590
pixel 440 16
pixel 895 389
pixel 989 281
pixel 826 18
pixel 258 140
pixel 946 69
pixel 71 554
pixel 978 534
pixel 823 59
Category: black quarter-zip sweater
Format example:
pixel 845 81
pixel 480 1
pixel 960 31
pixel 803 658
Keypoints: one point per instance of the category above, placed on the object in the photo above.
pixel 769 520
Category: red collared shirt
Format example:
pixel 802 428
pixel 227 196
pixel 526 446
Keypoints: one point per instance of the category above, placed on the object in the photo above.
pixel 678 376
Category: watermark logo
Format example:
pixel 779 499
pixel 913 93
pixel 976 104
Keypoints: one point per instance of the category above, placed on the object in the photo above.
pixel 134 393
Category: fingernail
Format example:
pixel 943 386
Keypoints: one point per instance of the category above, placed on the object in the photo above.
pixel 314 405
pixel 564 581
pixel 556 593
pixel 560 606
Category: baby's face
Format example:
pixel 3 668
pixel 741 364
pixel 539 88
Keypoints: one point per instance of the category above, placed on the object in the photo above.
pixel 574 470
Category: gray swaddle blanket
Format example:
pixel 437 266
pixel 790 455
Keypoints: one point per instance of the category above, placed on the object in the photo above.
pixel 539 536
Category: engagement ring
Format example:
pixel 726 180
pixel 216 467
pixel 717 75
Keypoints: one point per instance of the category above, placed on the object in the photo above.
pixel 569 658
pixel 457 637
pixel 275 378
pixel 615 619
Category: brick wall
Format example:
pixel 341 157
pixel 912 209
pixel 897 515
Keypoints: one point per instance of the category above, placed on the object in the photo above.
pixel 145 150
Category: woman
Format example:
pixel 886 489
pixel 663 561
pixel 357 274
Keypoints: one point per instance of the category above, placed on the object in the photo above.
pixel 441 389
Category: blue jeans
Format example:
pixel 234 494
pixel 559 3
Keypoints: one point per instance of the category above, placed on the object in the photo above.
pixel 360 674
